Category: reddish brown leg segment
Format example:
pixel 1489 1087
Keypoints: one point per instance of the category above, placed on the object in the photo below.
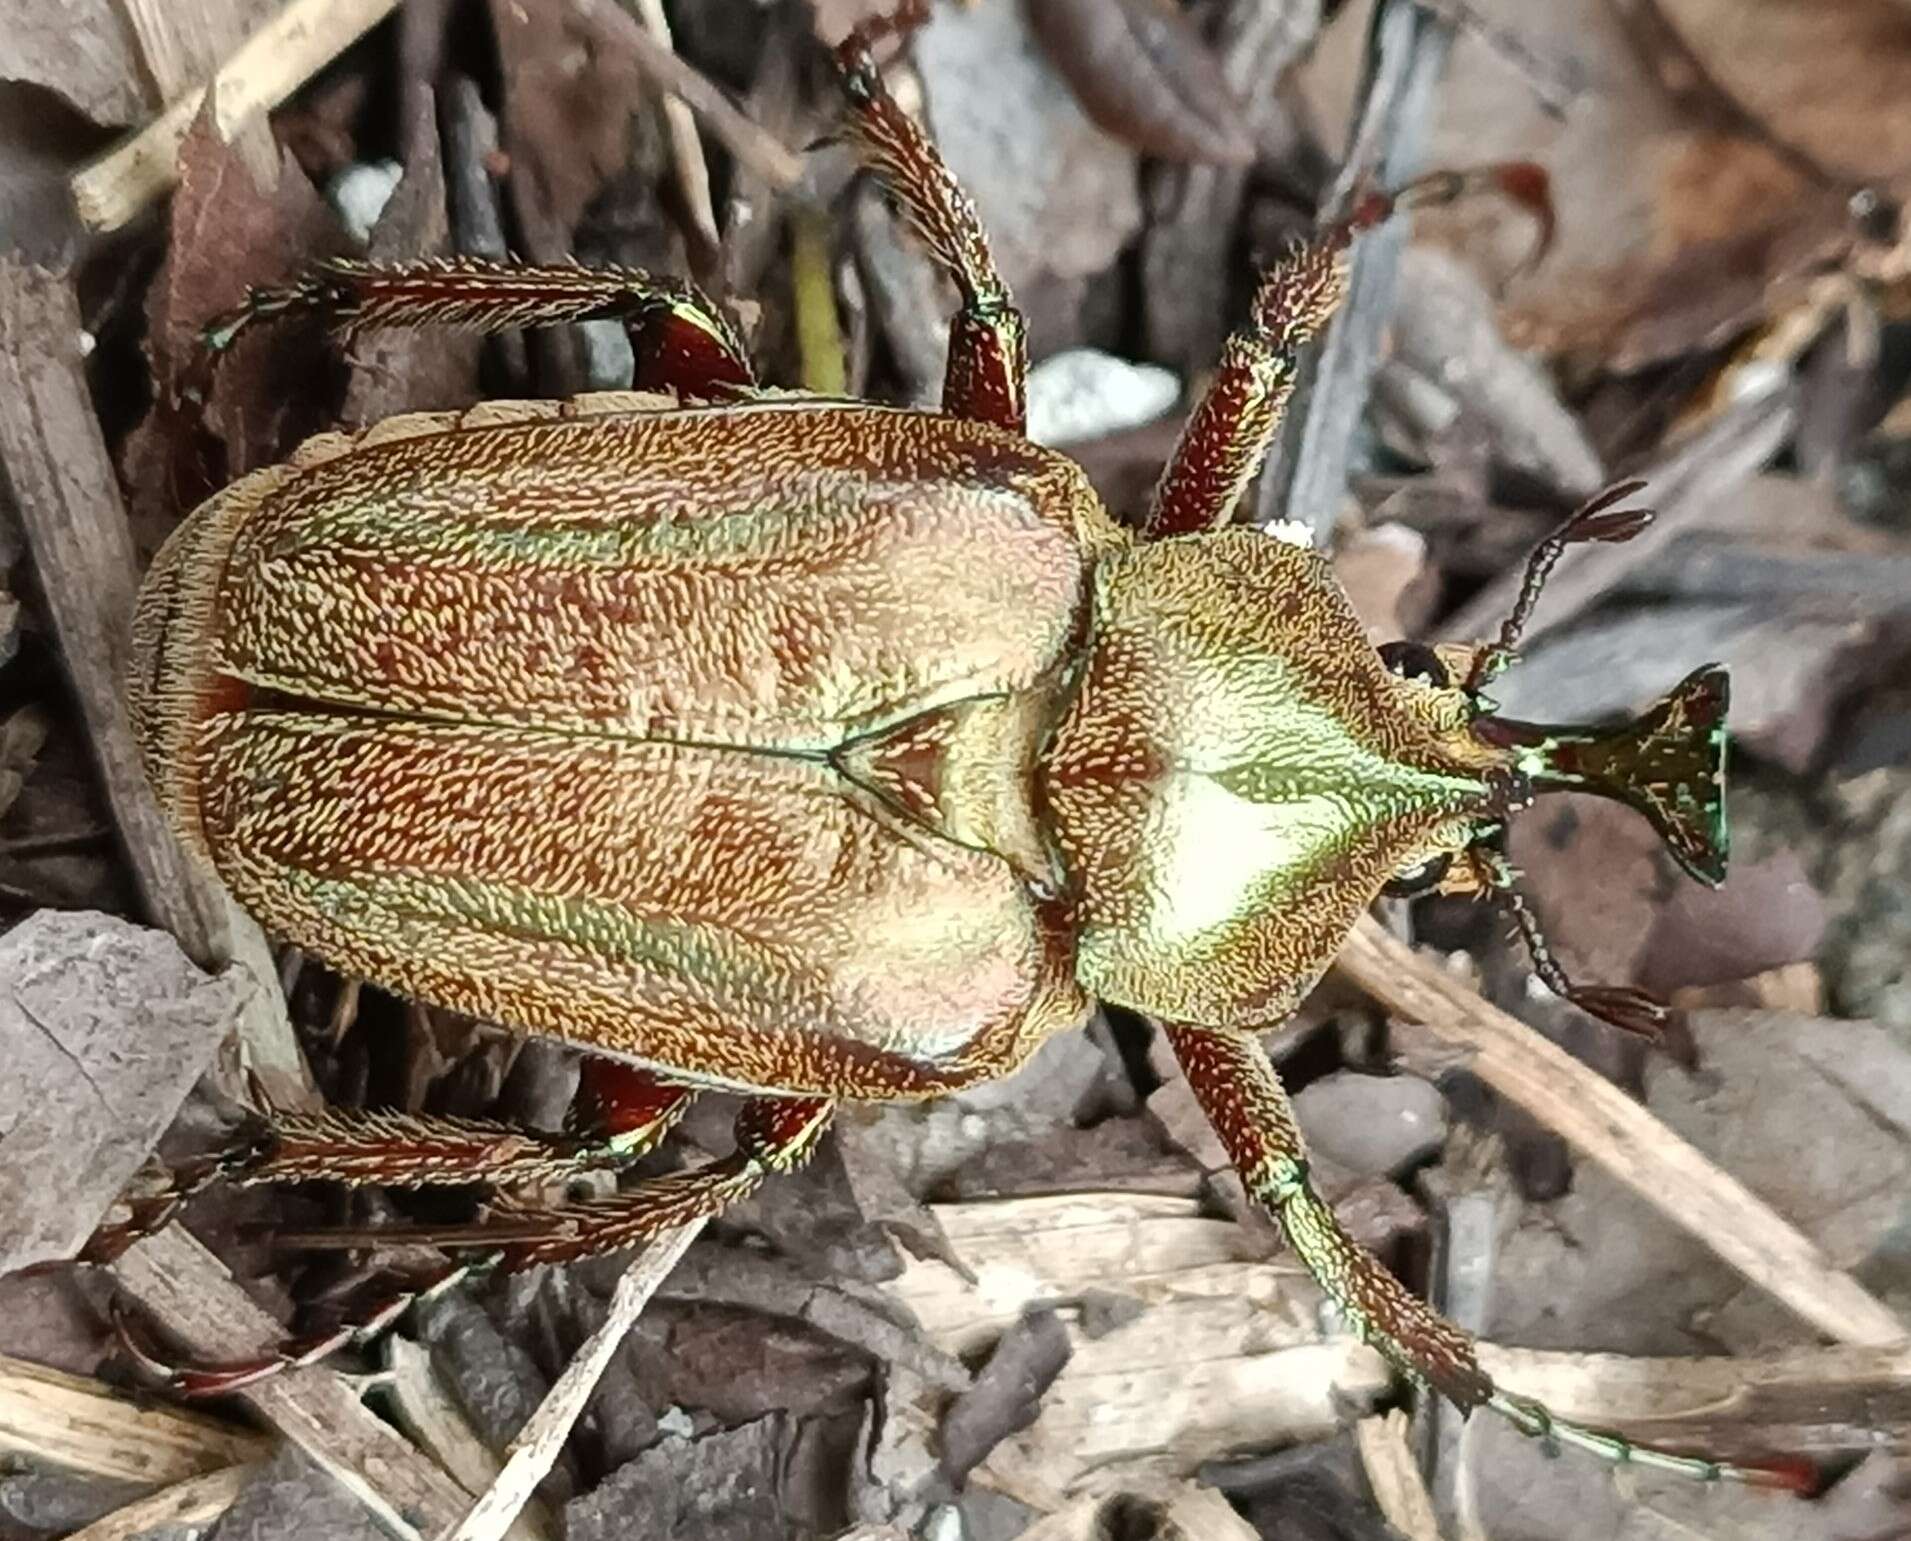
pixel 773 1134
pixel 1242 1096
pixel 682 342
pixel 986 379
pixel 1230 428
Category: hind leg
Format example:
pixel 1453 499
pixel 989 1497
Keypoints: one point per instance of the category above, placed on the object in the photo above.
pixel 773 1134
pixel 626 1112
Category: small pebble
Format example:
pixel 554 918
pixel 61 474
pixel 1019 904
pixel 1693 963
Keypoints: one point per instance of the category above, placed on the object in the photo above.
pixel 359 193
pixel 1086 394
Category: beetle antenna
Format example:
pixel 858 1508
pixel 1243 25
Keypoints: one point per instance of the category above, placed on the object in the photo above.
pixel 1625 1007
pixel 1525 183
pixel 1590 522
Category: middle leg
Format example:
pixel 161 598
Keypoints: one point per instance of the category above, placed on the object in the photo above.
pixel 681 341
pixel 987 375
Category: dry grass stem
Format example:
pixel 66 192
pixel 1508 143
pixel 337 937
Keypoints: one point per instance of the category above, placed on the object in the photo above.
pixel 538 1444
pixel 268 67
pixel 1398 1487
pixel 686 149
pixel 1596 1117
pixel 754 146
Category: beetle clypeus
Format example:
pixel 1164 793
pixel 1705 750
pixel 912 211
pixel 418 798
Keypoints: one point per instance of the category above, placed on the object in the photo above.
pixel 824 751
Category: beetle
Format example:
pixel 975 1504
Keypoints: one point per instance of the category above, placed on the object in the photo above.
pixel 824 751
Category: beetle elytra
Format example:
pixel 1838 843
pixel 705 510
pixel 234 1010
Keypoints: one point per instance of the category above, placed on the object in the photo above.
pixel 825 751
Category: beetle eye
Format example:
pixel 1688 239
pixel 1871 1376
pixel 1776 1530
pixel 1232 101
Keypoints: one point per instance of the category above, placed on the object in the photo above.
pixel 1420 879
pixel 1415 661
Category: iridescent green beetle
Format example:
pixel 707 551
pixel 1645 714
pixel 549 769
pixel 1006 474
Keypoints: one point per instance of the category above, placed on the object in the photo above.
pixel 824 751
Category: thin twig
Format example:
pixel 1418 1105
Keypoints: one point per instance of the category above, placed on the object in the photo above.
pixel 686 149
pixel 1556 83
pixel 56 473
pixel 195 1502
pixel 1398 1489
pixel 1307 477
pixel 268 67
pixel 753 145
pixel 1599 1119
pixel 536 1448
pixel 188 1292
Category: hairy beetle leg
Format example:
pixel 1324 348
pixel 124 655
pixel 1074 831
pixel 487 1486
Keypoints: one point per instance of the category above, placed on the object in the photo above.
pixel 773 1135
pixel 1232 425
pixel 1228 432
pixel 681 340
pixel 294 1353
pixel 986 378
pixel 1242 1096
pixel 626 1112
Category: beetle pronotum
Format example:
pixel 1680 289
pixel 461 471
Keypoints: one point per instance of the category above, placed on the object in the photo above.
pixel 824 751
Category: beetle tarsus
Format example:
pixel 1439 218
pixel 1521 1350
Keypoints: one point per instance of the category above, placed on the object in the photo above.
pixel 1539 1422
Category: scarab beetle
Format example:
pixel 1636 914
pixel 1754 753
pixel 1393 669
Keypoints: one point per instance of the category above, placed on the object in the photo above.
pixel 824 751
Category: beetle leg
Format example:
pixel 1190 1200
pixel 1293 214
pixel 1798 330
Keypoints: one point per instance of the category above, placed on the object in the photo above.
pixel 773 1135
pixel 1229 430
pixel 681 340
pixel 986 377
pixel 217 1380
pixel 1242 1096
pixel 627 1111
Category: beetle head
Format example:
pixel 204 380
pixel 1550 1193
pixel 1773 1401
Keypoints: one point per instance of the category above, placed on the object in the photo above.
pixel 1668 763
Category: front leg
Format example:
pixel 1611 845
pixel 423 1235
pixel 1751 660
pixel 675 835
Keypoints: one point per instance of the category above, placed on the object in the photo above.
pixel 987 375
pixel 1229 430
pixel 1242 1096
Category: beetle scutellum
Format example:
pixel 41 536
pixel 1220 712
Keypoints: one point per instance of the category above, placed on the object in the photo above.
pixel 825 751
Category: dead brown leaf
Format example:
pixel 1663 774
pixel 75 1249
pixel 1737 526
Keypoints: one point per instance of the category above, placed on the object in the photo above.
pixel 104 1027
pixel 1674 232
pixel 227 235
pixel 1144 74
